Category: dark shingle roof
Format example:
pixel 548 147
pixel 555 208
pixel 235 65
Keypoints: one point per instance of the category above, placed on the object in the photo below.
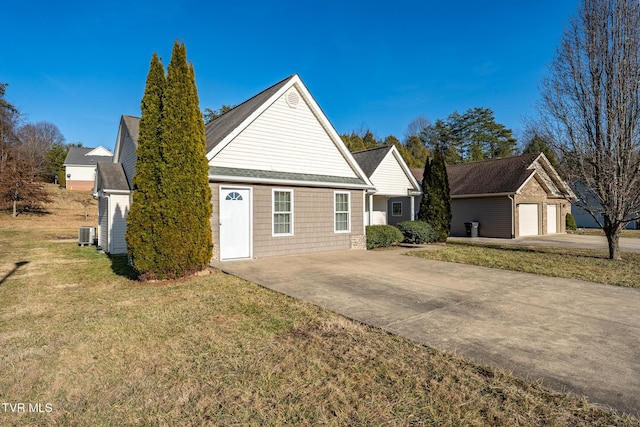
pixel 133 126
pixel 498 176
pixel 218 129
pixel 370 159
pixel 111 176
pixel 77 156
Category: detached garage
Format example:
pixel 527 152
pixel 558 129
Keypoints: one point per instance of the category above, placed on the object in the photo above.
pixel 510 197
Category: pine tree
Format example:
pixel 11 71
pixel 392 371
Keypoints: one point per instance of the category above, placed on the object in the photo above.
pixel 169 233
pixel 435 207
pixel 145 217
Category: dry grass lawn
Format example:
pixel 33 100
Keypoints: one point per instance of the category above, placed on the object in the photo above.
pixel 93 347
pixel 589 265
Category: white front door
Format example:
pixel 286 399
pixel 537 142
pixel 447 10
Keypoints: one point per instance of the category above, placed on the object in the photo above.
pixel 235 223
pixel 552 219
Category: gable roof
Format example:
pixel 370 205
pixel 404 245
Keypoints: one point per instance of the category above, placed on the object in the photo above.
pixel 110 177
pixel 222 130
pixel 80 156
pixel 370 159
pixel 219 128
pixel 133 126
pixel 500 176
pixel 497 176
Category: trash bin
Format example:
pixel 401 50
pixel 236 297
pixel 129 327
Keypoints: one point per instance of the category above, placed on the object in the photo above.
pixel 467 226
pixel 474 228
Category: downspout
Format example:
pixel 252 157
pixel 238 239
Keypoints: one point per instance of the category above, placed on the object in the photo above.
pixel 513 216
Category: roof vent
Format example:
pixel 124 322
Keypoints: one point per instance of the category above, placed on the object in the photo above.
pixel 292 99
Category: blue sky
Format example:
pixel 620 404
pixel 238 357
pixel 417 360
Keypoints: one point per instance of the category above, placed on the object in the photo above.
pixel 369 64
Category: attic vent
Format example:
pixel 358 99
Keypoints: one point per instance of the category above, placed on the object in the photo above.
pixel 292 99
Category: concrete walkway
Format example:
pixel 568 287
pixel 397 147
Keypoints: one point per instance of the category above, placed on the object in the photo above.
pixel 572 335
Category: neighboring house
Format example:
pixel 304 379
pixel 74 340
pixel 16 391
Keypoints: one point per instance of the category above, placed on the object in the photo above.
pixel 510 197
pixel 391 178
pixel 80 166
pixel 584 219
pixel 282 180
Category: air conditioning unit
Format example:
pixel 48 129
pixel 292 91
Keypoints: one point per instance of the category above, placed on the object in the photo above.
pixel 86 236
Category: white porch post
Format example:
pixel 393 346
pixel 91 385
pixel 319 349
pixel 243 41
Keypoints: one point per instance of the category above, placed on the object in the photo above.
pixel 371 209
pixel 413 209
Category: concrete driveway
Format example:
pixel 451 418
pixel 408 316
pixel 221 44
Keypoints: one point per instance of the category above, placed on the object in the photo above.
pixel 572 335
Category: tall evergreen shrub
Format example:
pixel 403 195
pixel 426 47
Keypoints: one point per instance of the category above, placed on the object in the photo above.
pixel 145 219
pixel 435 207
pixel 175 210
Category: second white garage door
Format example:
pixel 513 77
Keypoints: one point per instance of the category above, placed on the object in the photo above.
pixel 528 219
pixel 552 219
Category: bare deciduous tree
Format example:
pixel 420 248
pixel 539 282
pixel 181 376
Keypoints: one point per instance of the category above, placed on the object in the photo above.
pixel 18 180
pixel 36 140
pixel 591 100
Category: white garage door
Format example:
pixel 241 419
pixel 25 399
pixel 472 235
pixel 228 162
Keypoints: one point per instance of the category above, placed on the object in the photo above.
pixel 528 219
pixel 552 219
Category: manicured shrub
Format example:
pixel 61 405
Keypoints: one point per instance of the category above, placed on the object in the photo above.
pixel 418 232
pixel 381 236
pixel 571 222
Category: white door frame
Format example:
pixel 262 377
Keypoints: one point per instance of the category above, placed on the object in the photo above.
pixel 235 187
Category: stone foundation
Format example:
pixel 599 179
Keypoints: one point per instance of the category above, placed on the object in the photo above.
pixel 358 241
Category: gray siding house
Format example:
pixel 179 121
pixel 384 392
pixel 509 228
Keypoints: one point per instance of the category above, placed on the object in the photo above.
pixel 282 180
pixel 391 178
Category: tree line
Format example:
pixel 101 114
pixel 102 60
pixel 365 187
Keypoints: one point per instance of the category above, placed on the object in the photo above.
pixel 468 137
pixel 30 155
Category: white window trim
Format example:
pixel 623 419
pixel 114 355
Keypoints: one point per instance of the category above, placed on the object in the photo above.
pixel 396 203
pixel 348 230
pixel 273 212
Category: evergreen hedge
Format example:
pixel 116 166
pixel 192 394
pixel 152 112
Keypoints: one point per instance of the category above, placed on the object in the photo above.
pixel 381 236
pixel 417 232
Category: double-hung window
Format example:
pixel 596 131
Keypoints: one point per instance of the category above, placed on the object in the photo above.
pixel 342 212
pixel 396 209
pixel 282 212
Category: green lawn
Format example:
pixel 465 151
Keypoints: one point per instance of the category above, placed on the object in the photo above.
pixel 94 347
pixel 590 265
